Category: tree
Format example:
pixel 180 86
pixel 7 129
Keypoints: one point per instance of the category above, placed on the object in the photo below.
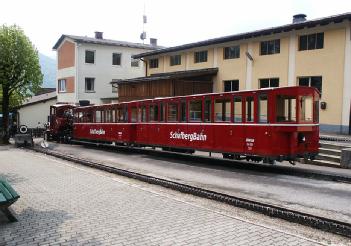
pixel 20 73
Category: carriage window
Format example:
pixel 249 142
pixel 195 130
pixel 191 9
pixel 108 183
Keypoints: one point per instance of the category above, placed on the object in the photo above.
pixel 172 112
pixel 263 109
pixel 208 111
pixel 162 112
pixel 183 112
pixel 119 113
pixel 286 108
pixel 195 110
pixel 316 111
pixel 238 109
pixel 80 117
pixel 134 114
pixel 306 108
pixel 142 114
pixel 249 109
pixel 75 117
pixel 97 116
pixel 153 113
pixel 88 117
pixel 222 110
pixel 113 112
pixel 108 116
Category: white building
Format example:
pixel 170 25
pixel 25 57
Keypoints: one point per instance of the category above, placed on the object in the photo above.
pixel 86 66
pixel 34 111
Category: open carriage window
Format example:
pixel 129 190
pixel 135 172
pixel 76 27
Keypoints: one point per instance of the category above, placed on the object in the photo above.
pixel 142 114
pixel 306 108
pixel 80 117
pixel 195 110
pixel 249 109
pixel 238 109
pixel 98 116
pixel 263 108
pixel 286 108
pixel 119 115
pixel 172 112
pixel 207 113
pixel 183 111
pixel 108 116
pixel 134 114
pixel 222 110
pixel 153 113
pixel 162 111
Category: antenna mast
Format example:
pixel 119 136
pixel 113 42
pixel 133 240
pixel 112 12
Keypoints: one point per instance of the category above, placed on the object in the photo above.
pixel 143 34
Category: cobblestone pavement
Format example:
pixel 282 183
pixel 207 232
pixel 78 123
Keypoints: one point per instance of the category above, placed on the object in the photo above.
pixel 63 203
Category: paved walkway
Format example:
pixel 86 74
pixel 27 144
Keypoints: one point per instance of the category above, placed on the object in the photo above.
pixel 64 204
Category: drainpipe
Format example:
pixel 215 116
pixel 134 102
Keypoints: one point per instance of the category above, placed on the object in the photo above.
pixel 145 62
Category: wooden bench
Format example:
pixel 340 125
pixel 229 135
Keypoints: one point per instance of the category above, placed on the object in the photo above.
pixel 7 197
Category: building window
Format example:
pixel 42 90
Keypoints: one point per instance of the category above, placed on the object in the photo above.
pixel 116 59
pixel 270 47
pixel 89 84
pixel 134 62
pixel 153 63
pixel 313 81
pixel 271 82
pixel 114 88
pixel 90 56
pixel 231 85
pixel 232 52
pixel 200 56
pixel 175 60
pixel 61 85
pixel 311 41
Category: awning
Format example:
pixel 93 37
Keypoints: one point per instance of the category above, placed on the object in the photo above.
pixel 166 76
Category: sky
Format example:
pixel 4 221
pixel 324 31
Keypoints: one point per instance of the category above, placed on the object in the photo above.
pixel 171 22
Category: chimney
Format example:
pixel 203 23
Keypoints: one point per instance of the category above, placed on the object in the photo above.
pixel 299 18
pixel 153 41
pixel 99 35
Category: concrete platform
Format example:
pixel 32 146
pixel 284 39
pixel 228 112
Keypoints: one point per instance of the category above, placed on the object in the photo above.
pixel 66 204
pixel 317 197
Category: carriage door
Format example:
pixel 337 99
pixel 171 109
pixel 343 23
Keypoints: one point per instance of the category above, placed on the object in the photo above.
pixel 222 123
pixel 142 127
pixel 250 126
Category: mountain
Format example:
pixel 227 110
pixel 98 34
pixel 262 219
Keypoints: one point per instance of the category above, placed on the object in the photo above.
pixel 48 68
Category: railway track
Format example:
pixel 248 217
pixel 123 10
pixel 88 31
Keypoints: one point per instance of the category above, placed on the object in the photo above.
pixel 233 164
pixel 325 224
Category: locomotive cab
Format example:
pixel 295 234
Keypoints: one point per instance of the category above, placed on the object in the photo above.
pixel 60 122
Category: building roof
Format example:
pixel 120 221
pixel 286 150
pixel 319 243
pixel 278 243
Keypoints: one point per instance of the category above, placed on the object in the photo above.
pixel 39 99
pixel 171 75
pixel 82 39
pixel 247 35
pixel 44 91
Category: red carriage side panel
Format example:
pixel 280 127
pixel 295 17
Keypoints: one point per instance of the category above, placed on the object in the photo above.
pixel 109 132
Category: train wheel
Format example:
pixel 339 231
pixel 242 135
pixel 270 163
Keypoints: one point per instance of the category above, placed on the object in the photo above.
pixel 228 156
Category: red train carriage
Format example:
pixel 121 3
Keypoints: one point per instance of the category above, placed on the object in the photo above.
pixel 267 124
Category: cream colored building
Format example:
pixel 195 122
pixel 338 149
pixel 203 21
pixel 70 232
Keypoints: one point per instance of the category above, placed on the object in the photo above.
pixel 34 112
pixel 307 52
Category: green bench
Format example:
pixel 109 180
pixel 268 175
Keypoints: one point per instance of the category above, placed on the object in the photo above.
pixel 7 196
